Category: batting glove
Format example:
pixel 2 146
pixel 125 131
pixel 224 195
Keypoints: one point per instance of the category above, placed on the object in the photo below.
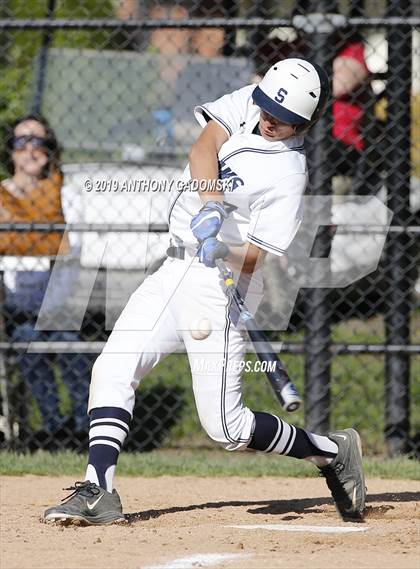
pixel 212 249
pixel 208 221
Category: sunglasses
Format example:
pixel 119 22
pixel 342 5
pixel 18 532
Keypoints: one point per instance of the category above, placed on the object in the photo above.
pixel 19 142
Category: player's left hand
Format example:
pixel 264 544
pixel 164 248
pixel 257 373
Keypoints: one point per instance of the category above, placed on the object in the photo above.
pixel 212 249
pixel 208 221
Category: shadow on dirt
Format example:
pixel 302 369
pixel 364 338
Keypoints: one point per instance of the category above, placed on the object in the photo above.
pixel 268 507
pixel 280 507
pixel 394 497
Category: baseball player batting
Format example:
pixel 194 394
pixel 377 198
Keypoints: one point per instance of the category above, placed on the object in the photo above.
pixel 253 139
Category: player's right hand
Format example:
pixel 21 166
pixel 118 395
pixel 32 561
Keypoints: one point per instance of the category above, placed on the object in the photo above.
pixel 208 221
pixel 212 249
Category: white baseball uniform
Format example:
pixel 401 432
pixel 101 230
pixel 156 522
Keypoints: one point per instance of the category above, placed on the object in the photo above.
pixel 265 200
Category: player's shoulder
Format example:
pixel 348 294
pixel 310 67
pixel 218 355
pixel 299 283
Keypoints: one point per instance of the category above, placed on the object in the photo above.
pixel 290 152
pixel 295 153
pixel 247 90
pixel 265 166
pixel 282 159
pixel 291 163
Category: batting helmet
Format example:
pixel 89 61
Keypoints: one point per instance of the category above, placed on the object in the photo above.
pixel 295 91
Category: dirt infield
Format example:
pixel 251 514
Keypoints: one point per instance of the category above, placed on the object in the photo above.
pixel 186 522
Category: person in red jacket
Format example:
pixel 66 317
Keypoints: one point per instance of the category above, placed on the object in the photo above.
pixel 350 153
pixel 350 73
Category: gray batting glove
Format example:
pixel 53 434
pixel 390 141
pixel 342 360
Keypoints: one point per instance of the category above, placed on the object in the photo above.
pixel 212 249
pixel 208 221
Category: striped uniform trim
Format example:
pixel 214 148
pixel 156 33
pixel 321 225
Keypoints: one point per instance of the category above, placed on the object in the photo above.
pixel 105 443
pixel 257 241
pixel 108 431
pixel 224 380
pixel 110 423
pixel 291 440
pixel 173 205
pixel 218 119
pixel 116 413
pixel 263 151
pixel 284 438
pixel 225 358
pixel 101 439
pixel 276 437
pixel 105 431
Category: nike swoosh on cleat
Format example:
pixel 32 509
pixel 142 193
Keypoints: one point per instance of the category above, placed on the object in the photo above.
pixel 342 436
pixel 353 500
pixel 93 504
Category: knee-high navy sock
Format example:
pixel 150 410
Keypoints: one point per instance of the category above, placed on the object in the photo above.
pixel 271 434
pixel 108 428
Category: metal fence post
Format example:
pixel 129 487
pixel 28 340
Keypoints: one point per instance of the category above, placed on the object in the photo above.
pixel 43 61
pixel 5 36
pixel 7 427
pixel 397 316
pixel 317 304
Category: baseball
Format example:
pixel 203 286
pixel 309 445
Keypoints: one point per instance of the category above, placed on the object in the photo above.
pixel 200 328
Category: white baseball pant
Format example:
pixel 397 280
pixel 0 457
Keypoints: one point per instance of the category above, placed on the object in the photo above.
pixel 156 322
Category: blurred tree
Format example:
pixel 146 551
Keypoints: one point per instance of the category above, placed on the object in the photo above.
pixel 19 50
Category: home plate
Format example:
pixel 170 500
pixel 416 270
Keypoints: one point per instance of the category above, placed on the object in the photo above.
pixel 198 560
pixel 311 529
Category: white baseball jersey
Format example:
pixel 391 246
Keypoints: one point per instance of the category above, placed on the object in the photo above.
pixel 265 198
pixel 267 180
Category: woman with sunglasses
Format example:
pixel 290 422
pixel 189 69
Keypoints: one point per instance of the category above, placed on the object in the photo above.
pixel 32 194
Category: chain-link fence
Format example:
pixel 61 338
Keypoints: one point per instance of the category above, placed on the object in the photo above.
pixel 118 81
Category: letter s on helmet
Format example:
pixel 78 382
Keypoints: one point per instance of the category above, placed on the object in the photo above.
pixel 294 91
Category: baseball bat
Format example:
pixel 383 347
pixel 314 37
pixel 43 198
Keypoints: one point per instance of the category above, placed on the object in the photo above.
pixel 279 379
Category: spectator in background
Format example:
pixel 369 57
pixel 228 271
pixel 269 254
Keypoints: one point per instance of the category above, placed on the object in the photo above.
pixel 33 194
pixel 350 154
pixel 172 49
pixel 207 42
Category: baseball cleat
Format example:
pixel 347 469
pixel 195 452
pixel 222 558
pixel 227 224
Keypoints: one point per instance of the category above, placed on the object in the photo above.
pixel 88 504
pixel 344 475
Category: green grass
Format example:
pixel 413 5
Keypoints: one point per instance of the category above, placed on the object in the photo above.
pixel 357 395
pixel 357 391
pixel 357 398
pixel 175 462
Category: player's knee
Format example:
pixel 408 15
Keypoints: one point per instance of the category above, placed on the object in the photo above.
pixel 229 442
pixel 109 387
pixel 96 369
pixel 100 377
pixel 217 435
pixel 230 432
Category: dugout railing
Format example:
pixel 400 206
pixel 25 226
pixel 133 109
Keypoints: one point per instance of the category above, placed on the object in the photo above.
pixel 382 307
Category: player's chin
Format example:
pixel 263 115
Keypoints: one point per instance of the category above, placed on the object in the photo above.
pixel 269 135
pixel 273 137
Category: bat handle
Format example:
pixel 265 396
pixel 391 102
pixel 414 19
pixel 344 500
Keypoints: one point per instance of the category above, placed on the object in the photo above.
pixel 224 271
